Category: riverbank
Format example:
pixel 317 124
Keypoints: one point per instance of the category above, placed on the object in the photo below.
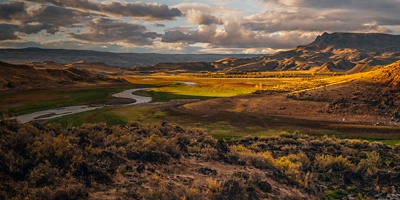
pixel 127 97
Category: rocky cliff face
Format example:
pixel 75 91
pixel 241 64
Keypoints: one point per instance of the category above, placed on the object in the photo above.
pixel 372 42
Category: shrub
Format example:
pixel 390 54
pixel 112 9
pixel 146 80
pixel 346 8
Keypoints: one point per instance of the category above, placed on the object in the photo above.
pixel 329 162
pixel 212 186
pixel 369 164
pixel 262 160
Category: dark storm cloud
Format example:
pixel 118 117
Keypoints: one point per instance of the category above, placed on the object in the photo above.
pixel 7 32
pixel 53 17
pixel 11 31
pixel 136 9
pixel 11 9
pixel 179 36
pixel 35 19
pixel 106 30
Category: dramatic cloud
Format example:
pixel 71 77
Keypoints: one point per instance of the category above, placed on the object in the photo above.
pixel 137 9
pixel 106 30
pixel 21 19
pixel 195 26
pixel 52 17
pixel 36 19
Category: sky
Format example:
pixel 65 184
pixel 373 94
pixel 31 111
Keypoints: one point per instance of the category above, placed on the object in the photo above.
pixel 197 26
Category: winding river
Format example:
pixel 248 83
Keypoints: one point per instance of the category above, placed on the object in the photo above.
pixel 128 94
pixel 58 112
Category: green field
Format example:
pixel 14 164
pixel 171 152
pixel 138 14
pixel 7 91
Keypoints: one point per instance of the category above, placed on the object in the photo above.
pixel 23 102
pixel 167 87
pixel 154 116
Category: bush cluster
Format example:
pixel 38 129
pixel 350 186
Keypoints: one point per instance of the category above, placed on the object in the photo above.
pixel 151 162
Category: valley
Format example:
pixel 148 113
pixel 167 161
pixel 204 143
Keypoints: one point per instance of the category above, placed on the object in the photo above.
pixel 232 105
pixel 323 129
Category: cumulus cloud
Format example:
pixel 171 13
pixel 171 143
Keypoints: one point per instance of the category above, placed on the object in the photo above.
pixel 148 11
pixel 203 14
pixel 234 35
pixel 198 17
pixel 206 8
pixel 106 30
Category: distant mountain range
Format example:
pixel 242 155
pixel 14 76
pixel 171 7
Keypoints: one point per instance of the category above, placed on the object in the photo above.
pixel 126 60
pixel 336 52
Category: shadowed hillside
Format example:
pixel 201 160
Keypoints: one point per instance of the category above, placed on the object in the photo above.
pixel 27 77
pixel 126 60
pixel 100 68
